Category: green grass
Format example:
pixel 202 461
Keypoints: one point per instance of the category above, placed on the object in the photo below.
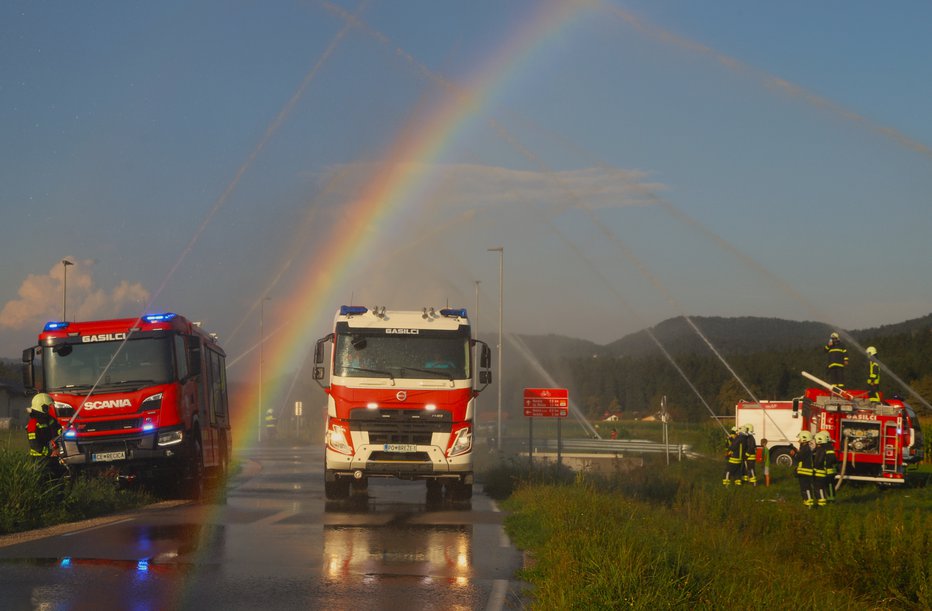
pixel 29 499
pixel 676 538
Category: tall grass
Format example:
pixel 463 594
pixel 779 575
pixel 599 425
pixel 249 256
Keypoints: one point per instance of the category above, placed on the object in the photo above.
pixel 30 499
pixel 675 538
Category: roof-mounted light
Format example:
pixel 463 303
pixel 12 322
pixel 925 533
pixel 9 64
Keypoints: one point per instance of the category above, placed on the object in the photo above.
pixel 164 317
pixel 56 325
pixel 453 312
pixel 352 310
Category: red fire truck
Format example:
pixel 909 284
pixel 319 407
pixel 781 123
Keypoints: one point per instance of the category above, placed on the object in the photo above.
pixel 873 441
pixel 401 399
pixel 137 398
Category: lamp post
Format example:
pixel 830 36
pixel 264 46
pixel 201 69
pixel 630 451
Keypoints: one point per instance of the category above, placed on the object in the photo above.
pixel 65 263
pixel 475 373
pixel 501 286
pixel 261 341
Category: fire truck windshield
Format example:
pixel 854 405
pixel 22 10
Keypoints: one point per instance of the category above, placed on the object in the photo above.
pixel 140 362
pixel 401 356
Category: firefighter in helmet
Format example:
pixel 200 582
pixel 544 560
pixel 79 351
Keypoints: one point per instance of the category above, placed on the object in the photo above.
pixel 41 431
pixel 271 425
pixel 837 360
pixel 824 461
pixel 873 375
pixel 750 455
pixel 805 468
pixel 735 455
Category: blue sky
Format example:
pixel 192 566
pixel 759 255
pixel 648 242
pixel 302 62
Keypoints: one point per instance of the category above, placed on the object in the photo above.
pixel 796 133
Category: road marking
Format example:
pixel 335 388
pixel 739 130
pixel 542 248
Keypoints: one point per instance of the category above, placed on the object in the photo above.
pixel 281 515
pixel 84 530
pixel 497 597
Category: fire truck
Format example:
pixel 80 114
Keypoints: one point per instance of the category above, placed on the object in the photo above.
pixel 138 398
pixel 873 441
pixel 400 399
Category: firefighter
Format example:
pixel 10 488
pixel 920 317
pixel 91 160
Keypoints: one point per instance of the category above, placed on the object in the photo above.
pixel 750 455
pixel 41 431
pixel 805 468
pixel 824 462
pixel 873 375
pixel 837 360
pixel 765 458
pixel 735 456
pixel 271 425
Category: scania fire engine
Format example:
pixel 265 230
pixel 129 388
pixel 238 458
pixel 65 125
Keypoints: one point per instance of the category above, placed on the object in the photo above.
pixel 873 441
pixel 401 398
pixel 142 397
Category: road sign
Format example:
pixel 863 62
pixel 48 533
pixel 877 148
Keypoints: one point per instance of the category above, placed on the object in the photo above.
pixel 546 402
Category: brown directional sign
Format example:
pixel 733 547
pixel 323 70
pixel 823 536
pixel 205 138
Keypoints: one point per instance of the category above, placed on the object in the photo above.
pixel 546 402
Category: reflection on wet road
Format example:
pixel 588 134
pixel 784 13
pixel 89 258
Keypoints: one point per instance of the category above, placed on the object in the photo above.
pixel 276 544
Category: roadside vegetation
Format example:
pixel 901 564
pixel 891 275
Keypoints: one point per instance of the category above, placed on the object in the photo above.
pixel 673 537
pixel 29 499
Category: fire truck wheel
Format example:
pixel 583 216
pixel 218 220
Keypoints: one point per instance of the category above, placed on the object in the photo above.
pixel 194 476
pixel 337 490
pixel 782 458
pixel 460 491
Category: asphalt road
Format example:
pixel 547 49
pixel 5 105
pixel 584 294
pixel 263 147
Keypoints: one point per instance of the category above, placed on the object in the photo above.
pixel 274 544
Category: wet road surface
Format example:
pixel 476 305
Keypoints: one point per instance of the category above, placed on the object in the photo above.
pixel 274 544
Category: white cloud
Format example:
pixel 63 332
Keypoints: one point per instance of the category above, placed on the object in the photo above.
pixel 40 298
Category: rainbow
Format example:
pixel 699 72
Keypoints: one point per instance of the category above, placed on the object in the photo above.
pixel 425 137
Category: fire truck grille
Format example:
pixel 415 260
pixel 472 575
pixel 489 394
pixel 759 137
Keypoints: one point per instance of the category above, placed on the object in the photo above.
pixel 111 425
pixel 399 425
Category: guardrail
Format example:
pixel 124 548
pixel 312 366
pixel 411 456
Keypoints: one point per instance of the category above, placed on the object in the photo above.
pixel 614 446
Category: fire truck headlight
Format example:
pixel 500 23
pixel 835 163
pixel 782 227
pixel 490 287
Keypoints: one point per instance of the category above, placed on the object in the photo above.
pixel 337 440
pixel 152 402
pixel 170 438
pixel 462 443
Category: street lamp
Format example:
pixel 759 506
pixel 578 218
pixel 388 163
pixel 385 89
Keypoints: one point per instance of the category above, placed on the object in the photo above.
pixel 501 287
pixel 475 374
pixel 261 340
pixel 65 263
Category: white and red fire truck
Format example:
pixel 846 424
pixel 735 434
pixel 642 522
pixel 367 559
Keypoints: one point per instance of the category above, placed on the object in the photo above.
pixel 873 441
pixel 142 397
pixel 401 399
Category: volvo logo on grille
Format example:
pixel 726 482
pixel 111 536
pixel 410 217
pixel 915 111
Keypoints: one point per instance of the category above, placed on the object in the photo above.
pixel 402 395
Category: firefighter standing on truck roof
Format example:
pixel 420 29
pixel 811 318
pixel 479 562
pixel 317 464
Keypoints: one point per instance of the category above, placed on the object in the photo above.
pixel 750 455
pixel 805 468
pixel 41 431
pixel 873 375
pixel 837 360
pixel 824 461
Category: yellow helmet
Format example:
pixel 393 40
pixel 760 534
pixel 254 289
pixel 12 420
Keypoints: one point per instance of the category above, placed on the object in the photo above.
pixel 41 403
pixel 822 437
pixel 804 436
pixel 871 351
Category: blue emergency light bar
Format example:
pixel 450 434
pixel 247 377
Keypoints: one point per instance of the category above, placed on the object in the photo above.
pixel 71 434
pixel 148 426
pixel 159 317
pixel 55 325
pixel 352 310
pixel 453 312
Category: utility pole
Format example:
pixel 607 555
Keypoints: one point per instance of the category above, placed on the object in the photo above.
pixel 261 341
pixel 501 300
pixel 64 290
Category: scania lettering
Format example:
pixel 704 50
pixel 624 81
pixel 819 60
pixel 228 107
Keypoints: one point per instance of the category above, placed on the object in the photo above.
pixel 141 398
pixel 400 399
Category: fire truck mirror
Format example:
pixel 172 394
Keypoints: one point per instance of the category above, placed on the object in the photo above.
pixel 485 377
pixel 796 408
pixel 29 378
pixel 485 361
pixel 319 356
pixel 318 373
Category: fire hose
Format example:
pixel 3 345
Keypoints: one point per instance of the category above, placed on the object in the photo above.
pixel 844 463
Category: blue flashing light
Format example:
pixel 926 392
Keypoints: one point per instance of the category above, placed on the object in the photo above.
pixel 453 312
pixel 159 317
pixel 352 310
pixel 142 566
pixel 148 426
pixel 65 562
pixel 56 325
pixel 71 434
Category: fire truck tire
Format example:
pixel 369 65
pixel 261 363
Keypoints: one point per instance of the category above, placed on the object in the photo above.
pixel 193 481
pixel 782 457
pixel 337 490
pixel 460 491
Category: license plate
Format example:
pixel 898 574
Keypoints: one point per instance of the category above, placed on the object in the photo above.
pixel 108 456
pixel 400 447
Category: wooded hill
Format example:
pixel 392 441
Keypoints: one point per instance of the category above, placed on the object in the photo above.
pixel 632 374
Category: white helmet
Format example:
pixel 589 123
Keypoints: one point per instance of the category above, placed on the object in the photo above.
pixel 834 335
pixel 749 427
pixel 41 403
pixel 871 351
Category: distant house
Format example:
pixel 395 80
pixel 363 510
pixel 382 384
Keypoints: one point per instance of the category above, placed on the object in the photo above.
pixel 13 404
pixel 612 418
